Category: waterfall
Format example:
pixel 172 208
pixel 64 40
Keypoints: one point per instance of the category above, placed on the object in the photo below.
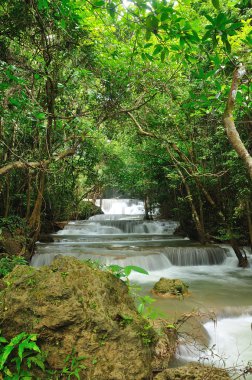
pixel 190 256
pixel 99 225
pixel 230 345
pixel 121 206
pixel 215 282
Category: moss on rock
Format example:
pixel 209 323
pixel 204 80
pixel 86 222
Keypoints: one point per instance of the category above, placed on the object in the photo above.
pixel 170 287
pixel 74 307
pixel 193 371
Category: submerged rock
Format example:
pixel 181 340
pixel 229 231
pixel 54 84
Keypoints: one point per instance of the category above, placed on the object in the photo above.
pixel 82 312
pixel 170 287
pixel 193 371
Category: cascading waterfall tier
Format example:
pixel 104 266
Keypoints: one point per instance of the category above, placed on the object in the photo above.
pixel 127 240
pixel 191 256
pixel 121 206
pixel 122 237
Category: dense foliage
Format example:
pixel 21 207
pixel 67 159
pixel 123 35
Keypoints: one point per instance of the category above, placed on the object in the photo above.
pixel 130 96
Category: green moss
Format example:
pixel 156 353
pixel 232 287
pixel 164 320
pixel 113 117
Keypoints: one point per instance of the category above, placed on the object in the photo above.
pixel 170 286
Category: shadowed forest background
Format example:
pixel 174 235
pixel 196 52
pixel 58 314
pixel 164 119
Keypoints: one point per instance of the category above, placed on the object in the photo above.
pixel 102 95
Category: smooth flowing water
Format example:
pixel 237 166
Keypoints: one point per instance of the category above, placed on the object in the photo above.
pixel 216 284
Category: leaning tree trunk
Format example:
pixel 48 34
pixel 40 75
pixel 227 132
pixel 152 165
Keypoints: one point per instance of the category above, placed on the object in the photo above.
pixel 229 124
pixel 242 257
pixel 35 219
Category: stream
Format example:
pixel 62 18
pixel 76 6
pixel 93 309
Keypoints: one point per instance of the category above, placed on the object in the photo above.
pixel 121 236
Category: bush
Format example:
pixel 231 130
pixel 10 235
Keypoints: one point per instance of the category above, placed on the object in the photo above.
pixel 7 264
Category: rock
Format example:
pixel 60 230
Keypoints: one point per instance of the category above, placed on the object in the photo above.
pixel 13 243
pixel 166 345
pixel 80 311
pixel 192 331
pixel 170 287
pixel 193 371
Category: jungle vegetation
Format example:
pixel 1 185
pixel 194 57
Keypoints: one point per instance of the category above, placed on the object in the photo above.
pixel 152 99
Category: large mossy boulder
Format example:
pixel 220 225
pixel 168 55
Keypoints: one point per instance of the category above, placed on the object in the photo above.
pixel 81 311
pixel 193 371
pixel 170 287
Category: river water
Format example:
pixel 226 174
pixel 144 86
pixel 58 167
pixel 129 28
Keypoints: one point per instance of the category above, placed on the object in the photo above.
pixel 217 286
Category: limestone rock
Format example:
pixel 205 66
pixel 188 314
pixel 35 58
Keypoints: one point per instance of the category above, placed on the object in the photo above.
pixel 166 345
pixel 76 308
pixel 193 371
pixel 170 287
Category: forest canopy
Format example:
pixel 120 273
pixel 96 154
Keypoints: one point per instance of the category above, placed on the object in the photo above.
pixel 150 99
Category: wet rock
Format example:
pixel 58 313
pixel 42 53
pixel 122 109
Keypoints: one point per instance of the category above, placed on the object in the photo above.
pixel 166 345
pixel 170 287
pixel 80 311
pixel 193 371
pixel 192 331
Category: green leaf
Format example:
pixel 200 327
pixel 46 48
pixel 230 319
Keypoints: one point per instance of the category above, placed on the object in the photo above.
pixel 143 56
pixel 163 56
pixel 148 35
pixel 152 23
pixel 182 42
pixel 4 85
pixel 216 4
pixel 42 4
pixel 221 20
pixel 136 269
pixel 149 57
pixel 209 18
pixel 158 49
pixel 14 102
pixel 40 116
pixel 111 8
pixel 140 308
pixel 164 16
pixel 37 361
pixel 63 24
pixel 228 46
pixel 207 35
pixel 236 25
pixel 9 348
pixel 98 3
pixel 149 44
pixel 27 345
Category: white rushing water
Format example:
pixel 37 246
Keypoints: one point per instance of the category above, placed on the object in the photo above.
pixel 216 284
pixel 121 206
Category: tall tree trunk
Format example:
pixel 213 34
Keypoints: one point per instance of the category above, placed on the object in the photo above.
pixel 229 124
pixel 28 196
pixel 35 219
pixel 146 208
